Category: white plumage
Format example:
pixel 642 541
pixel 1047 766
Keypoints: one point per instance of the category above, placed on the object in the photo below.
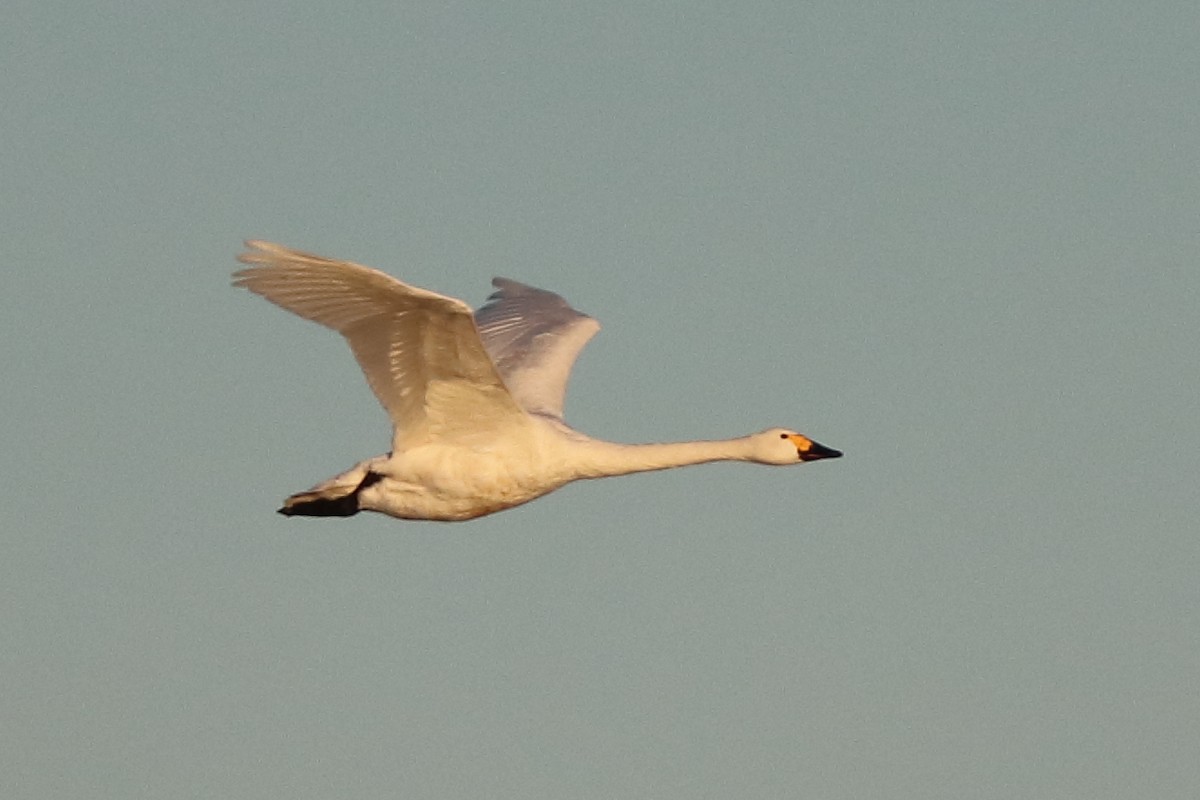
pixel 475 399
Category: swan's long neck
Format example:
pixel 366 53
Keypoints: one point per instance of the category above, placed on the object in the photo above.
pixel 600 459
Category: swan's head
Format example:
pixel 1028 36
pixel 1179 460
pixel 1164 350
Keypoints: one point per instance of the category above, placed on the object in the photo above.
pixel 781 446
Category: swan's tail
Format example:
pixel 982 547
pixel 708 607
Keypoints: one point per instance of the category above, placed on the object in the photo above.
pixel 333 498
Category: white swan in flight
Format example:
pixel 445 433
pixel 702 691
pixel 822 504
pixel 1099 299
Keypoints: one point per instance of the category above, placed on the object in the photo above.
pixel 475 399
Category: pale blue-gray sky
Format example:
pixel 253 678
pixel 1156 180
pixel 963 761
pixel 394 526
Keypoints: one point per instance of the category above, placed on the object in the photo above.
pixel 958 241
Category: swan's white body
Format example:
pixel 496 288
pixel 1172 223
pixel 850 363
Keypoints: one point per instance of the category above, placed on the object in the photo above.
pixel 475 399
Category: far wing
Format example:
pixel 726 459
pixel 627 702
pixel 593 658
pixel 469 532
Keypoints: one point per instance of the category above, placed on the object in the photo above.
pixel 420 351
pixel 533 337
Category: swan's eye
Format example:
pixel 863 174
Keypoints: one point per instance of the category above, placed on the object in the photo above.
pixel 783 436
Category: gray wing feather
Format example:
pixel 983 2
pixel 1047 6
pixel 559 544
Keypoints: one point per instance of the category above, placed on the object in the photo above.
pixel 533 337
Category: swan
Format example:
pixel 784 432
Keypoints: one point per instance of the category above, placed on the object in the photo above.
pixel 475 399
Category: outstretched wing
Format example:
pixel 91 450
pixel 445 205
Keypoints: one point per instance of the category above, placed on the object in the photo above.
pixel 420 351
pixel 533 337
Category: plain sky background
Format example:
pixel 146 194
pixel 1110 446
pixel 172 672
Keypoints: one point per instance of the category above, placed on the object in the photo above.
pixel 956 240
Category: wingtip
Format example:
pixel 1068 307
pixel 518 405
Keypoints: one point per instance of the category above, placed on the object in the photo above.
pixel 254 249
pixel 260 251
pixel 508 286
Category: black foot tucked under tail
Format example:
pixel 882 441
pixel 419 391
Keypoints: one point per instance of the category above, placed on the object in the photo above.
pixel 303 505
pixel 321 507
